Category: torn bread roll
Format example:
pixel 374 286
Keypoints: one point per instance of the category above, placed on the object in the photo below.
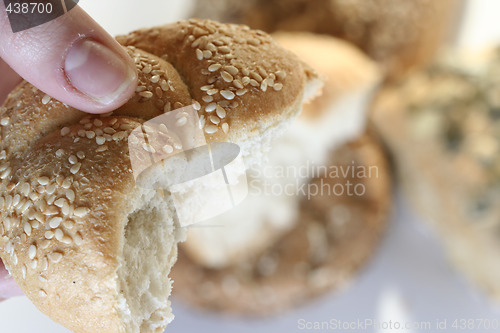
pixel 89 247
pixel 399 35
pixel 442 127
pixel 330 120
pixel 335 234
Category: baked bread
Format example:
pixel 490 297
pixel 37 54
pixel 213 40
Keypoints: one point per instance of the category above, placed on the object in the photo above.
pixel 325 123
pixel 398 34
pixel 442 127
pixel 89 247
pixel 334 236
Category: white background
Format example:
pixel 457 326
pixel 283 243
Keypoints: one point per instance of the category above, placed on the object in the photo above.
pixel 409 278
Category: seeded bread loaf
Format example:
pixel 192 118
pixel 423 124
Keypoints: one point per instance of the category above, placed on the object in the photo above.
pixel 334 235
pixel 442 125
pixel 89 247
pixel 398 34
pixel 330 120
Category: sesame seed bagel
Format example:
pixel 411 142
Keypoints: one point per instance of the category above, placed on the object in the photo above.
pixel 333 238
pixel 89 247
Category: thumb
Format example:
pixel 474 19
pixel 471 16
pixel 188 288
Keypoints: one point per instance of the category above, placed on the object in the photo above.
pixel 8 287
pixel 72 59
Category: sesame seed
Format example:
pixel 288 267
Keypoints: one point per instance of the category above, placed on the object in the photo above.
pixel 42 278
pixel 90 134
pixel 5 121
pixel 59 152
pixel 60 202
pixel 224 49
pixel 55 256
pixel 42 293
pixel 4 166
pixel 278 86
pixel 109 130
pixel 81 211
pixel 45 99
pixel 281 75
pixel 35 224
pixel 207 54
pixel 14 259
pixel 155 78
pixel 27 205
pixel 254 83
pixel 23 270
pixel 25 189
pixel 210 129
pixel 50 188
pixel 214 119
pixel 97 122
pixel 33 264
pixel 32 251
pixel 210 107
pixel 75 168
pixel 43 180
pixel 58 234
pixel 78 239
pixel 214 67
pixel 73 159
pixel 196 106
pixel 81 155
pixel 147 147
pixel 263 86
pixel 253 41
pixel 140 88
pixel 49 234
pixel 27 228
pixel 212 92
pixel 100 140
pixel 147 69
pixel 146 94
pixel 67 240
pixel 70 194
pixel 66 183
pixel 207 99
pixel 227 94
pixel 5 173
pixel 238 84
pixel 226 76
pixel 207 87
pixel 220 111
pixel 55 222
pixel 199 54
pixel 16 200
pixel 212 79
pixel 256 76
pixel 225 127
pixel 202 121
pixel 241 92
pixel 245 80
pixel 231 69
pixel 181 122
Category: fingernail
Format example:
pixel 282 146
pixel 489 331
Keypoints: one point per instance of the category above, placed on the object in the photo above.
pixel 97 71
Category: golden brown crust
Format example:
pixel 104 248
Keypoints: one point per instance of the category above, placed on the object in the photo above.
pixel 398 34
pixel 224 67
pixel 66 182
pixel 334 237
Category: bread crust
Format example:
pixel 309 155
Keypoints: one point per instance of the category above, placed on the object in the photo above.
pixel 67 184
pixel 332 240
pixel 399 35
pixel 441 128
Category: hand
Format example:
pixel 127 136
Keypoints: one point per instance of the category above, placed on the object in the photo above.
pixel 70 58
pixel 8 287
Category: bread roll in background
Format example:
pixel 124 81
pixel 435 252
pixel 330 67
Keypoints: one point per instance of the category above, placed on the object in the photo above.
pixel 442 127
pixel 333 237
pixel 400 35
pixel 328 121
pixel 89 247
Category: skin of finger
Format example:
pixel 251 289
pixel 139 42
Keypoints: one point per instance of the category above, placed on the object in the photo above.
pixel 8 287
pixel 8 80
pixel 38 55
